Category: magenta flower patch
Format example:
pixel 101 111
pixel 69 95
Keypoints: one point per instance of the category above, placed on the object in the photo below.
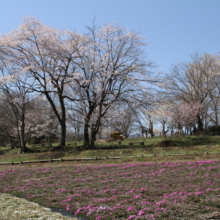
pixel 178 190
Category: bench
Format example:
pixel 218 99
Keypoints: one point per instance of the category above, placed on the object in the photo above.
pixel 131 143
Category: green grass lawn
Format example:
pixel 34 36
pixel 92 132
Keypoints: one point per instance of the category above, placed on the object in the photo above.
pixel 184 145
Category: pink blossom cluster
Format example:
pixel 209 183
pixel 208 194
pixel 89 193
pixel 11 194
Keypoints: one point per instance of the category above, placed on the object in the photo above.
pixel 185 114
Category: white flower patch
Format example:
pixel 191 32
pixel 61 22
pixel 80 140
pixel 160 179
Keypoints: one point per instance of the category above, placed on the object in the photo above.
pixel 17 208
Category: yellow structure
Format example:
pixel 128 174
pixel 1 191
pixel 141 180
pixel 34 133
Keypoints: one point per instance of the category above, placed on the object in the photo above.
pixel 117 135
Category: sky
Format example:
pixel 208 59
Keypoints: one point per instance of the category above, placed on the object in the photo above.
pixel 174 29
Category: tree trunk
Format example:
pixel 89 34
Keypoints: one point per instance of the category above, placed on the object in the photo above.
pixel 23 148
pixel 22 133
pixel 93 138
pixel 146 133
pixel 86 141
pixel 142 132
pixel 89 140
pixel 151 130
pixel 22 143
pixel 61 119
pixel 63 135
pixel 62 144
pixel 200 123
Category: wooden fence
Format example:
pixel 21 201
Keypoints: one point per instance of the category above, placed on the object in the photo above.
pixel 100 158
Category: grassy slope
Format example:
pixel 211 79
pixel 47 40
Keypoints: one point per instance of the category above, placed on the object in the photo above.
pixel 184 146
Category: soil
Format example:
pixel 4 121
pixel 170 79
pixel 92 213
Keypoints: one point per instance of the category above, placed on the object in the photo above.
pixel 166 143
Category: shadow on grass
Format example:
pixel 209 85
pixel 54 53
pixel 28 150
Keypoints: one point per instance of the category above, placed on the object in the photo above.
pixel 198 140
pixel 114 147
pixel 46 155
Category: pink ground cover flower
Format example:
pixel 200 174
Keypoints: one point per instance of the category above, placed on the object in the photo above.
pixel 130 208
pixel 67 200
pixel 30 196
pixel 133 193
pixel 162 202
pixel 67 207
pixel 61 190
pixel 141 212
pixel 136 197
pixel 131 217
pixel 198 193
pixel 78 211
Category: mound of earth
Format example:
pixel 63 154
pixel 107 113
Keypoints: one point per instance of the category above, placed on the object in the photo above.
pixel 166 143
pixel 101 141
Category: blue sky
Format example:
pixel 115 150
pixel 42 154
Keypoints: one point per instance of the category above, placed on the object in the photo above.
pixel 175 28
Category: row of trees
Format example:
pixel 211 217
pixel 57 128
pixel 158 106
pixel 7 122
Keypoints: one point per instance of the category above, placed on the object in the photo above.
pixel 53 79
pixel 84 74
pixel 197 81
pixel 188 98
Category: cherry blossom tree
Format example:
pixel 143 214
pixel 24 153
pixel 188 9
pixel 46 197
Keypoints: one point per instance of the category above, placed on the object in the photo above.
pixel 185 114
pixel 213 110
pixel 7 124
pixel 75 122
pixel 17 96
pixel 42 121
pixel 94 71
pixel 121 117
pixel 192 82
pixel 46 54
pixel 111 69
pixel 162 111
pixel 125 122
pixel 24 116
pixel 146 120
pixel 144 110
